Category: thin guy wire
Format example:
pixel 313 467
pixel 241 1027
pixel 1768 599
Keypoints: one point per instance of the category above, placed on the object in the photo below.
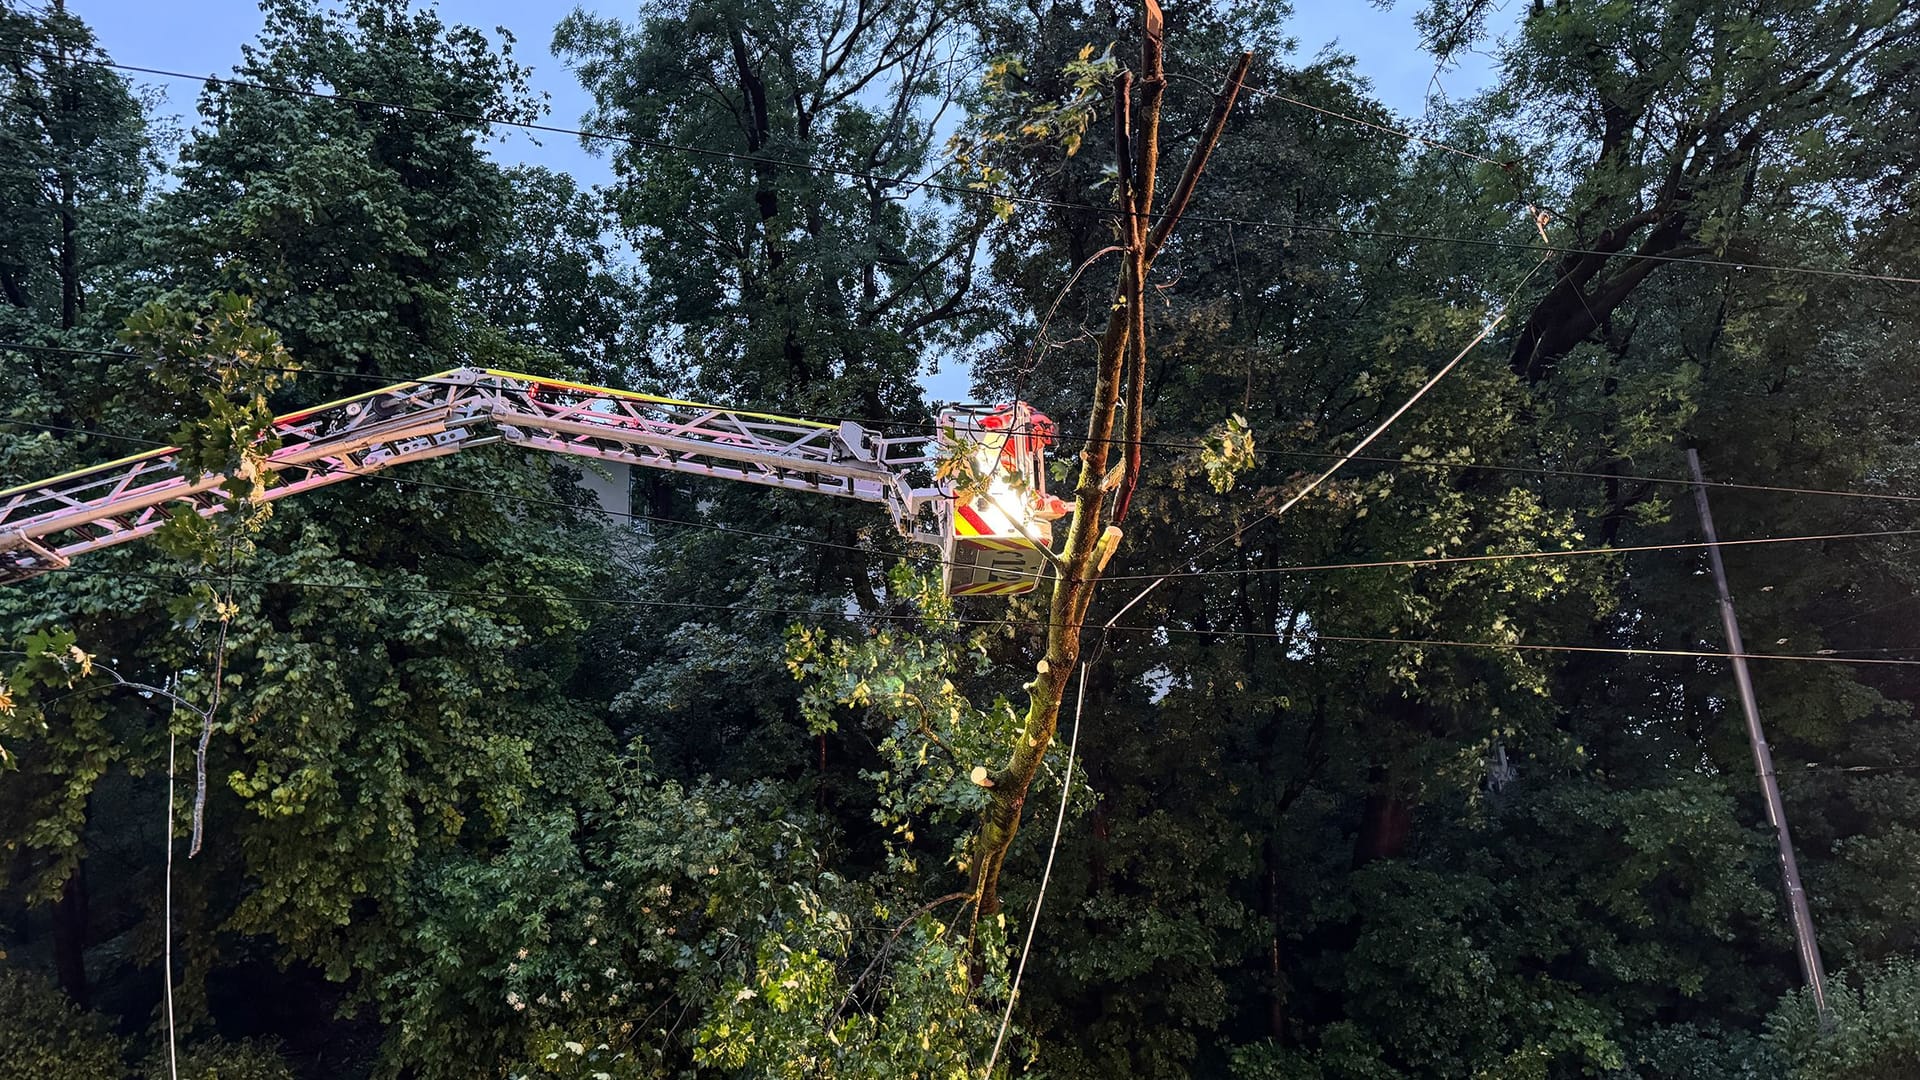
pixel 621 602
pixel 1378 430
pixel 1382 427
pixel 1078 437
pixel 966 192
pixel 1046 874
pixel 1409 136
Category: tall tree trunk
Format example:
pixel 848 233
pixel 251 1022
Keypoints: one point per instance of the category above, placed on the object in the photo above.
pixel 70 937
pixel 69 192
pixel 69 255
pixel 1385 821
pixel 1276 975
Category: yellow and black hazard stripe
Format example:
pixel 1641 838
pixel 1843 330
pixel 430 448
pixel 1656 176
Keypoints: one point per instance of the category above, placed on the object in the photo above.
pixel 994 588
pixel 973 531
pixel 1016 546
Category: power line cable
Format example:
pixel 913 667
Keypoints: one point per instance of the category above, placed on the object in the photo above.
pixel 974 193
pixel 1438 560
pixel 1434 144
pixel 1553 249
pixel 81 431
pixel 1379 429
pixel 1444 560
pixel 1599 649
pixel 1077 437
pixel 1053 845
pixel 1033 623
pixel 1868 613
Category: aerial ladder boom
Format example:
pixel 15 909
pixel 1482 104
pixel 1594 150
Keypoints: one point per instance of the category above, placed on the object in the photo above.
pixel 994 540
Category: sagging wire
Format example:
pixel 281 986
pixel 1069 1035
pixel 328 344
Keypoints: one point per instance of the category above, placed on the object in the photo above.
pixel 1046 874
pixel 166 918
pixel 1059 820
pixel 1381 428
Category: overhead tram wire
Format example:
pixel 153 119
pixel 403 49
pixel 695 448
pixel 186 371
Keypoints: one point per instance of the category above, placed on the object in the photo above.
pixel 962 191
pixel 1034 623
pixel 1078 437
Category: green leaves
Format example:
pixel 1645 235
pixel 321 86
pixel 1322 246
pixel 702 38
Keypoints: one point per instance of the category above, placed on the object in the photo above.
pixel 1010 121
pixel 223 365
pixel 537 831
pixel 1226 452
pixel 43 1034
pixel 900 687
pixel 801 1015
pixel 48 658
pixel 1870 1034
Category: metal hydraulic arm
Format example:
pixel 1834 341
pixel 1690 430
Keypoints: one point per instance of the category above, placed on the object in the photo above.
pixel 45 525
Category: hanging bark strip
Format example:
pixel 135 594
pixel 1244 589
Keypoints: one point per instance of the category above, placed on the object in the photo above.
pixel 1123 339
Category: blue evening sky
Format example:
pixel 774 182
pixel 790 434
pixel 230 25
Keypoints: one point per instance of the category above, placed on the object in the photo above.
pixel 203 37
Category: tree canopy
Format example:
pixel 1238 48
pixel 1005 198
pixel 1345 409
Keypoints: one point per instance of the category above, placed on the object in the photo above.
pixel 1426 765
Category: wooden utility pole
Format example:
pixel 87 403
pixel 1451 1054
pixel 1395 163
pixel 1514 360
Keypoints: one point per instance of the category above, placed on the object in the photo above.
pixel 1806 946
pixel 1121 365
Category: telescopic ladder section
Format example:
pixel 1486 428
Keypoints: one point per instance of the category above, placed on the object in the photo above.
pixel 45 525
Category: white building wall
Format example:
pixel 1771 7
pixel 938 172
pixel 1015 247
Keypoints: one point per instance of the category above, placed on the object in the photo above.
pixel 611 484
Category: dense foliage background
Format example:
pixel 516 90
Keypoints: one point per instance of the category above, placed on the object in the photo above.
pixel 498 787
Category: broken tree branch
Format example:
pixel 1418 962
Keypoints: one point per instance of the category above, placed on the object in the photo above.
pixel 1148 248
pixel 1153 84
pixel 1073 589
pixel 1183 190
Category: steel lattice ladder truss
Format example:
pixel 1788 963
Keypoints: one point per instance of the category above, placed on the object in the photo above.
pixel 45 525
